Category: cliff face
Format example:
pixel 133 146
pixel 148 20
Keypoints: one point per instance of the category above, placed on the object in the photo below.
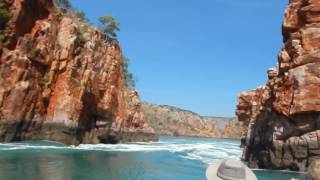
pixel 60 79
pixel 172 121
pixel 282 118
pixel 232 130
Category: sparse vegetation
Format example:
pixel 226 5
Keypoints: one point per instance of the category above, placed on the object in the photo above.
pixel 44 80
pixel 81 15
pixel 65 8
pixel 65 4
pixel 128 77
pixel 34 53
pixel 80 39
pixel 57 45
pixel 109 26
pixel 170 120
pixel 28 41
pixel 1 40
pixel 4 17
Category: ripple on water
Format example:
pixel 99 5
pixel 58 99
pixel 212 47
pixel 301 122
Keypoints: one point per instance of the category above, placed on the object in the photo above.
pixel 207 151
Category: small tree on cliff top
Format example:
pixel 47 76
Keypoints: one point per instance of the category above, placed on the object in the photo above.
pixel 109 26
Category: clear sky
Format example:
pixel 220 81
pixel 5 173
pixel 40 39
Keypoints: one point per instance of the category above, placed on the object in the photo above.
pixel 196 54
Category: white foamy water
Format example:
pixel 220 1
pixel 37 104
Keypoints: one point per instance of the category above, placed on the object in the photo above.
pixel 171 158
pixel 205 150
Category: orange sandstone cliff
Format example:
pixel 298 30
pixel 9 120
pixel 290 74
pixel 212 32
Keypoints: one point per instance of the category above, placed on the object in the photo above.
pixel 282 119
pixel 61 80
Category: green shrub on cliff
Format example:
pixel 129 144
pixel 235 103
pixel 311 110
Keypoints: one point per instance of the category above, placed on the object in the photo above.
pixel 81 15
pixel 80 39
pixel 127 76
pixel 65 4
pixel 109 26
pixel 4 17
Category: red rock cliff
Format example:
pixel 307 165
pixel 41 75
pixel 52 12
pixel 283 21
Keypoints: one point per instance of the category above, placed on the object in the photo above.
pixel 282 118
pixel 60 79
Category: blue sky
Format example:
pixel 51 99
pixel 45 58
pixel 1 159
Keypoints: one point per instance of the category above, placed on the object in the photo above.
pixel 196 54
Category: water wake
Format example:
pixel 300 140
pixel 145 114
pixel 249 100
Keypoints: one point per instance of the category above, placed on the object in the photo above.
pixel 207 151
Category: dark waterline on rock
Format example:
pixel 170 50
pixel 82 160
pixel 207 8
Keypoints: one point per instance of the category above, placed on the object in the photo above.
pixel 171 158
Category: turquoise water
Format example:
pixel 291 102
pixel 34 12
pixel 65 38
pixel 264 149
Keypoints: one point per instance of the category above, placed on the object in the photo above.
pixel 171 158
pixel 278 175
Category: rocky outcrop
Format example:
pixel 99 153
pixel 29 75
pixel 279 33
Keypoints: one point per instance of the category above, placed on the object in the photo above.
pixel 173 121
pixel 62 80
pixel 282 119
pixel 314 170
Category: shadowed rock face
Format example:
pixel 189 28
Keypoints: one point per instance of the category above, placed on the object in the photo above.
pixel 55 86
pixel 282 119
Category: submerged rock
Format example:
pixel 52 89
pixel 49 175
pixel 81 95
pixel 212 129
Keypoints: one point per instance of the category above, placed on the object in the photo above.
pixel 282 119
pixel 62 80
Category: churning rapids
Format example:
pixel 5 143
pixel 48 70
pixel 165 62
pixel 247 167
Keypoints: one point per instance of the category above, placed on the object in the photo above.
pixel 170 158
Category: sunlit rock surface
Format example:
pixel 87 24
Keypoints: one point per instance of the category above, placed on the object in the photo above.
pixel 173 121
pixel 61 80
pixel 282 119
